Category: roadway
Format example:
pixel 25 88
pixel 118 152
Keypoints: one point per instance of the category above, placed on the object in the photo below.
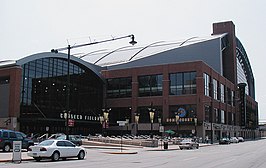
pixel 242 155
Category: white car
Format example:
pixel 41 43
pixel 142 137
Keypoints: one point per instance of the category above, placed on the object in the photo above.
pixel 240 139
pixel 56 149
pixel 233 140
pixel 188 144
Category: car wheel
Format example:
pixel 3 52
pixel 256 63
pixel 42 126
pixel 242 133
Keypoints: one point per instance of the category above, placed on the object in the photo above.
pixel 81 155
pixel 37 159
pixel 6 148
pixel 55 156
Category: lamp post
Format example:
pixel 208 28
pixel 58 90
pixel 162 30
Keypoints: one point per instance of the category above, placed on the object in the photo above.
pixel 137 122
pixel 151 112
pixel 195 122
pixel 160 123
pixel 177 121
pixel 68 48
pixel 66 116
pixel 105 117
pixel 101 121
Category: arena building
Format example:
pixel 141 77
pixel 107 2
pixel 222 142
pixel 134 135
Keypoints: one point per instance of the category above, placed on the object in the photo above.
pixel 200 86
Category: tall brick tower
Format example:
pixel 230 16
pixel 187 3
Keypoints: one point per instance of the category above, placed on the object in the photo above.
pixel 229 54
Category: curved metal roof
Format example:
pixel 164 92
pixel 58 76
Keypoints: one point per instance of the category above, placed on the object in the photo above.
pixel 131 53
pixel 96 69
pixel 244 61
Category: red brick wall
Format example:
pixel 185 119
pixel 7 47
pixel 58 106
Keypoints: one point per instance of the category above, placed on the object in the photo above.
pixel 14 74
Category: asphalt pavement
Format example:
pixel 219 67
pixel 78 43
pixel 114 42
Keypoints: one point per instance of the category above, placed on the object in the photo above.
pixel 110 149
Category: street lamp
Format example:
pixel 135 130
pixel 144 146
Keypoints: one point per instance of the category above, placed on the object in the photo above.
pixel 66 116
pixel 68 48
pixel 196 122
pixel 151 112
pixel 177 121
pixel 101 121
pixel 137 122
pixel 105 117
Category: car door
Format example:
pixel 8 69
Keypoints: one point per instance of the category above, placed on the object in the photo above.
pixel 12 137
pixel 20 138
pixel 71 148
pixel 61 147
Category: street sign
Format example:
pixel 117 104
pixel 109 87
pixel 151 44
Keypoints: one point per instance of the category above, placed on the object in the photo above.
pixel 16 151
pixel 71 122
pixel 161 129
pixel 121 123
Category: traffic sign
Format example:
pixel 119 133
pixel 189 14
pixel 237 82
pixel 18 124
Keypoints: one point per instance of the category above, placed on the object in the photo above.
pixel 71 122
pixel 121 123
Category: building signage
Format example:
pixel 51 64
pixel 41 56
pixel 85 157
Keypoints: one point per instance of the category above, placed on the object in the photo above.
pixel 182 112
pixel 79 117
pixel 180 120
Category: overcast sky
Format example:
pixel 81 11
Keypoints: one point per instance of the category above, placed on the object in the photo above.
pixel 32 26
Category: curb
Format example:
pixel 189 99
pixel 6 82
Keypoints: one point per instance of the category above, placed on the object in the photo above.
pixel 8 160
pixel 127 153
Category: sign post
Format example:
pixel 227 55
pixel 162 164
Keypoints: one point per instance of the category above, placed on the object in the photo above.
pixel 122 124
pixel 16 151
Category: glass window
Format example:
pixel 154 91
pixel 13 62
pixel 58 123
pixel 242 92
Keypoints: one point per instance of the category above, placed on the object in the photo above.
pixel 60 143
pixel 119 87
pixel 45 96
pixel 182 83
pixel 215 89
pixel 207 113
pixel 150 85
pixel 5 134
pixel 222 92
pixel 222 117
pixel 206 84
pixel 69 144
pixel 12 135
pixel 19 136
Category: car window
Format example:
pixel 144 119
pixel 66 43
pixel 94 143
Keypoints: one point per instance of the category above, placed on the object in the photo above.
pixel 46 143
pixel 5 134
pixel 60 143
pixel 12 135
pixel 19 136
pixel 69 144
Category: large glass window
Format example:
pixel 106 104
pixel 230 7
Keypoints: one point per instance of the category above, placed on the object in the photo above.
pixel 183 83
pixel 206 84
pixel 150 85
pixel 119 87
pixel 222 92
pixel 215 89
pixel 44 89
pixel 222 117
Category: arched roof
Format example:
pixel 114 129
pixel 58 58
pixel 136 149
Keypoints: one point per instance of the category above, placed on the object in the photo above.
pixel 129 54
pixel 96 69
pixel 243 59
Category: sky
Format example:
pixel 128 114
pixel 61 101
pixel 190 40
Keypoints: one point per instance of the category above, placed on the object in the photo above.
pixel 32 26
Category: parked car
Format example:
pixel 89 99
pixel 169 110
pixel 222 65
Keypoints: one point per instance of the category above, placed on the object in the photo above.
pixel 73 138
pixel 234 140
pixel 8 136
pixel 240 139
pixel 224 141
pixel 56 149
pixel 188 144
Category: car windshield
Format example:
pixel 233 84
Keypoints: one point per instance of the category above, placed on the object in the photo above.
pixel 46 143
pixel 186 140
pixel 22 134
pixel 61 137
